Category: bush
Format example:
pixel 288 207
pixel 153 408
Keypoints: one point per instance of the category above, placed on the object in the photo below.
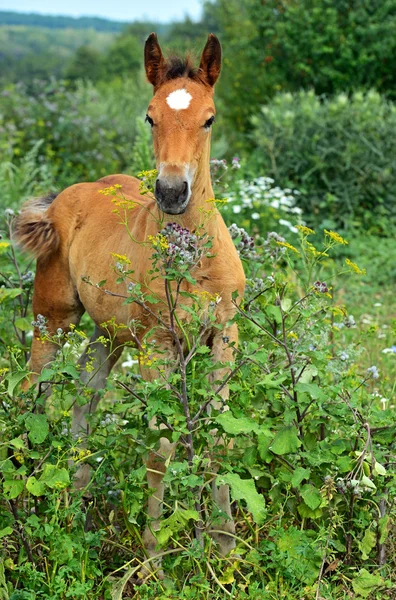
pixel 311 467
pixel 86 133
pixel 338 152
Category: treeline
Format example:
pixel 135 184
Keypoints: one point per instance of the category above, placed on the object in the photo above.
pixel 59 22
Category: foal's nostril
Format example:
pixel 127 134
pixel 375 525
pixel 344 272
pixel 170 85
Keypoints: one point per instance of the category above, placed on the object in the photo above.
pixel 185 188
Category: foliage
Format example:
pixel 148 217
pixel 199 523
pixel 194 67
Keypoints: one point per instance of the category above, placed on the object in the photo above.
pixel 338 152
pixel 327 45
pixel 85 132
pixel 311 469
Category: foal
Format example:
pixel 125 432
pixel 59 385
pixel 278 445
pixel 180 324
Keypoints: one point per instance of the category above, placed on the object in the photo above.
pixel 74 235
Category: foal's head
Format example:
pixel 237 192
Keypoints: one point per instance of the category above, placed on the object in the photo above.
pixel 180 113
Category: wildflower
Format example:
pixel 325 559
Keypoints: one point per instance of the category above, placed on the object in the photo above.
pixel 59 331
pixel 344 356
pixel 391 350
pixel 121 258
pixel 310 248
pixel 4 245
pixel 245 243
pixel 289 246
pixel 349 321
pixel 354 267
pixel 9 212
pixel 226 339
pixel 178 244
pixel 111 191
pixel 305 230
pixel 235 163
pixel 321 287
pixel 41 324
pixel 159 241
pixel 27 277
pixel 373 372
pixel 335 237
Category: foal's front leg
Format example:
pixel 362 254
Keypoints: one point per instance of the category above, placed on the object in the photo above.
pixel 222 351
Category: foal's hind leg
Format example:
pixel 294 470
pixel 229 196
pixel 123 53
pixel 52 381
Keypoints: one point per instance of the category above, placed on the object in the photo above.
pixel 101 356
pixel 56 299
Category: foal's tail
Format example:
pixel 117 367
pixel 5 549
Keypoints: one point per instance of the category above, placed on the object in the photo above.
pixel 35 230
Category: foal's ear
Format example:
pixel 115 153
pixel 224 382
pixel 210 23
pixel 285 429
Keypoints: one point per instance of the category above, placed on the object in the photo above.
pixel 154 61
pixel 210 64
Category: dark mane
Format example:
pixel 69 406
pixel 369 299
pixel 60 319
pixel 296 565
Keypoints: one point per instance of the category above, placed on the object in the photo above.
pixel 180 67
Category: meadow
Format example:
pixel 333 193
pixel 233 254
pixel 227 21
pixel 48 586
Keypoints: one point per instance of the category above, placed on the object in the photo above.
pixel 305 183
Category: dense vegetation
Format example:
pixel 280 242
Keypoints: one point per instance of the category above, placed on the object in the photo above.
pixel 310 207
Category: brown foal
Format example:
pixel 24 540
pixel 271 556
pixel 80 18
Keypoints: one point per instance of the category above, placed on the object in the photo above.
pixel 74 235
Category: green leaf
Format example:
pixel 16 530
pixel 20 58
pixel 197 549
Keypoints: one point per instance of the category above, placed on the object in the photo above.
pixel 245 489
pixel 37 426
pixel 383 527
pixel 13 381
pixel 379 469
pixel 12 488
pixel 367 543
pixel 23 324
pixel 312 389
pixel 7 294
pixel 271 383
pixel 311 496
pixel 274 312
pixel 285 441
pixel 6 531
pixel 35 487
pixel 366 482
pixel 17 443
pixel 299 474
pixel 365 583
pixel 173 524
pixel 307 375
pixel 234 425
pixel 55 477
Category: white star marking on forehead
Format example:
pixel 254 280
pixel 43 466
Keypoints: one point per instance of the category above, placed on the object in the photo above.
pixel 179 99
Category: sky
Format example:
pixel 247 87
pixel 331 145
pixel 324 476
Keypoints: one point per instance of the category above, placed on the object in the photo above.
pixel 118 10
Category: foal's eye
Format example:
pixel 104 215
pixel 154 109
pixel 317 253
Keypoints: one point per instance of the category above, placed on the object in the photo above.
pixel 209 122
pixel 149 120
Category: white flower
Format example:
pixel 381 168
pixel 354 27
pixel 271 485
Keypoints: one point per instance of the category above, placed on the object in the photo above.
pixel 255 216
pixel 236 209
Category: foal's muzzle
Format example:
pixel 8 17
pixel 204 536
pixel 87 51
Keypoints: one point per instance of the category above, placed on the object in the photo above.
pixel 172 195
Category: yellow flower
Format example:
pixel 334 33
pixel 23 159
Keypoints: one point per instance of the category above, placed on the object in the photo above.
pixel 216 201
pixel 305 230
pixel 111 191
pixel 312 250
pixel 335 237
pixel 354 267
pixel 289 246
pixel 159 241
pixel 121 258
pixel 4 245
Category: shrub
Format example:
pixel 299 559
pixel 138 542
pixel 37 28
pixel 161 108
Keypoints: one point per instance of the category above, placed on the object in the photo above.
pixel 338 152
pixel 311 469
pixel 86 133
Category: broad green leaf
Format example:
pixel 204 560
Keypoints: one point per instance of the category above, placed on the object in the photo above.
pixel 285 441
pixel 365 583
pixel 13 381
pixel 173 524
pixel 307 375
pixel 5 531
pixel 35 487
pixel 271 383
pixel 17 443
pixel 274 313
pixel 55 477
pixel 311 496
pixel 12 488
pixel 264 440
pixel 307 512
pixel 367 543
pixel 366 482
pixel 245 489
pixel 383 526
pixel 312 389
pixel 7 294
pixel 37 426
pixel 23 324
pixel 234 425
pixel 379 469
pixel 286 304
pixel 299 474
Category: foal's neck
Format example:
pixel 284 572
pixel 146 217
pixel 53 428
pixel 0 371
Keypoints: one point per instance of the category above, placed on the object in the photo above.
pixel 199 211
